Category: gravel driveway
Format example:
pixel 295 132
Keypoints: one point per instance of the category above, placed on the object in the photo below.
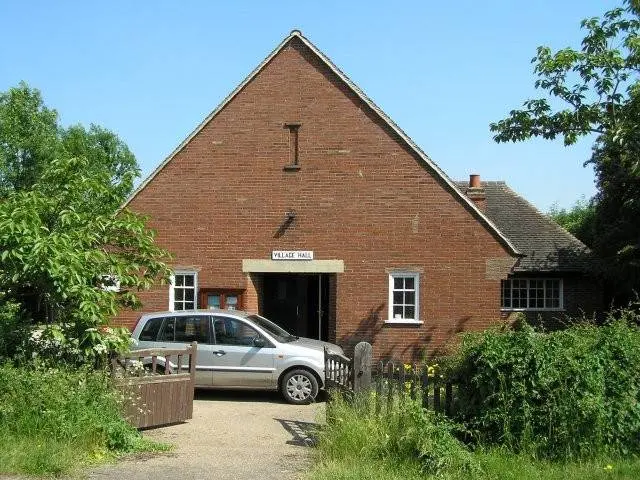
pixel 231 436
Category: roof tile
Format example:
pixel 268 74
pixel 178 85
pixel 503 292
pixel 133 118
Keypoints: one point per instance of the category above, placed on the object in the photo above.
pixel 548 247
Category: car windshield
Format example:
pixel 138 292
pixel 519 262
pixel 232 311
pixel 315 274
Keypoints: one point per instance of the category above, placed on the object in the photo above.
pixel 274 330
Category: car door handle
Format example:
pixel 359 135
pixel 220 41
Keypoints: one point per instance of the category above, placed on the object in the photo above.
pixel 219 353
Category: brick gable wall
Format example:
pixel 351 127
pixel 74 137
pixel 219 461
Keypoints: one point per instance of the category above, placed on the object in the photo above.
pixel 361 195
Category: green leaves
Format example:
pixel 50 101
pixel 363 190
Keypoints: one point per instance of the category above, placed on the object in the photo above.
pixel 31 140
pixel 110 159
pixel 578 220
pixel 60 230
pixel 28 137
pixel 597 88
pixel 593 82
pixel 567 394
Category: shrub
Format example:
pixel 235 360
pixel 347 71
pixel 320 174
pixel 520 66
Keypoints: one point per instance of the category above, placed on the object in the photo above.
pixel 567 394
pixel 62 343
pixel 12 329
pixel 72 344
pixel 51 419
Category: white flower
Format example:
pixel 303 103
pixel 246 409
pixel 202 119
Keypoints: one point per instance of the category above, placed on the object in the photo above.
pixel 135 367
pixel 100 348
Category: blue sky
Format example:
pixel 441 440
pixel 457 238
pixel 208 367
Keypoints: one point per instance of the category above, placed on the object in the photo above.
pixel 152 70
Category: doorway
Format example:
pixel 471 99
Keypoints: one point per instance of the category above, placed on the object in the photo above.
pixel 299 303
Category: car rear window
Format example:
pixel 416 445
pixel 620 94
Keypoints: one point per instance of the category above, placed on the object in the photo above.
pixel 186 329
pixel 150 330
pixel 192 329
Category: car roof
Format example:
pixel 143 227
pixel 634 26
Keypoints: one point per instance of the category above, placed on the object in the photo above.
pixel 202 311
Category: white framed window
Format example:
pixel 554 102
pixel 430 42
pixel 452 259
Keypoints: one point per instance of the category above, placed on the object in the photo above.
pixel 183 291
pixel 531 294
pixel 404 295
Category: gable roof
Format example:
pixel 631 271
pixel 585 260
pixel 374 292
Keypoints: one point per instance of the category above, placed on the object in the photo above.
pixel 296 34
pixel 548 247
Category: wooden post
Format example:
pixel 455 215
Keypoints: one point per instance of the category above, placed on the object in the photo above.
pixel 448 399
pixel 402 379
pixel 167 364
pixel 414 380
pixel 390 381
pixel 361 371
pixel 114 366
pixel 425 389
pixel 379 386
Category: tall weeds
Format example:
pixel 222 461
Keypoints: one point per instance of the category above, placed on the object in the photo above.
pixel 54 419
pixel 406 434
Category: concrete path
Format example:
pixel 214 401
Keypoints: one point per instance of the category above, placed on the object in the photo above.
pixel 231 436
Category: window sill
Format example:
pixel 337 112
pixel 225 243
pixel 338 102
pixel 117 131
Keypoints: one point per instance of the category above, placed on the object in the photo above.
pixel 532 310
pixel 291 168
pixel 403 322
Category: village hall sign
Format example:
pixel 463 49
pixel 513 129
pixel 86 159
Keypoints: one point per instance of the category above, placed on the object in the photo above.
pixel 292 255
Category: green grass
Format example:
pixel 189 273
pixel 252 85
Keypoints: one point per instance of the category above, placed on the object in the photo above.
pixel 37 455
pixel 494 465
pixel 407 443
pixel 354 469
pixel 505 465
pixel 55 420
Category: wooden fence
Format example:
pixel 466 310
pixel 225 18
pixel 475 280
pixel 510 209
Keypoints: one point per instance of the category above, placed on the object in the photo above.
pixel 395 379
pixel 391 380
pixel 158 385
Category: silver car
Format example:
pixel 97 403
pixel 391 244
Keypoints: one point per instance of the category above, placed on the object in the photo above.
pixel 239 350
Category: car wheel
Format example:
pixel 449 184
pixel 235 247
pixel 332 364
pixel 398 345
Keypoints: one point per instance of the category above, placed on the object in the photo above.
pixel 299 387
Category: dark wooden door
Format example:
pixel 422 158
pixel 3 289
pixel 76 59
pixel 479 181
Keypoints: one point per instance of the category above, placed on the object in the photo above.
pixel 284 300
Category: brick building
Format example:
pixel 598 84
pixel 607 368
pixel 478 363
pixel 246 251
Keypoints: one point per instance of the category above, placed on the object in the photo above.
pixel 300 199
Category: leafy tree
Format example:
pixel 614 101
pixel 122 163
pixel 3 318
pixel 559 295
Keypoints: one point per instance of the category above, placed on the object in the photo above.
pixel 28 138
pixel 68 256
pixel 31 138
pixel 595 83
pixel 107 155
pixel 59 258
pixel 595 91
pixel 578 220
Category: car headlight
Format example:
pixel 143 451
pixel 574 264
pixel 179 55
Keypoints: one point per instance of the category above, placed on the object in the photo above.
pixel 335 350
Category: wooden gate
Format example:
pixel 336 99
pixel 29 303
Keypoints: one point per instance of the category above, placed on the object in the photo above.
pixel 157 385
pixel 352 375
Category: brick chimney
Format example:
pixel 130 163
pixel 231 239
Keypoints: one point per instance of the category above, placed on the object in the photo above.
pixel 475 191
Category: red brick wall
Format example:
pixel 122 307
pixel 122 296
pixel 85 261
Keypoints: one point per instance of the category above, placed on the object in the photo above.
pixel 361 196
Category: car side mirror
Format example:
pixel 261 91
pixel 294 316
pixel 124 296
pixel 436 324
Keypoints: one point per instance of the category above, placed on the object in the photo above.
pixel 259 342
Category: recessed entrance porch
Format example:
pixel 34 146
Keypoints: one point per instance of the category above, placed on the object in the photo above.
pixel 300 296
pixel 299 303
